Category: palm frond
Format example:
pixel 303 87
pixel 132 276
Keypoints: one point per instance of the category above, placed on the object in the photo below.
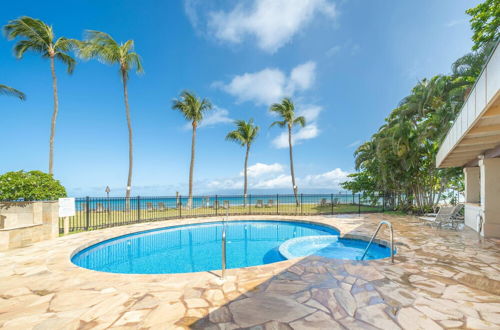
pixel 280 123
pixel 68 60
pixel 9 91
pixel 300 121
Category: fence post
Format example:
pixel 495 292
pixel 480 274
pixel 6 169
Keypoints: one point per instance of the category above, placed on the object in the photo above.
pixel 138 208
pixel 180 206
pixel 277 204
pixel 331 202
pixel 87 215
pixel 359 204
pixel 250 204
pixel 216 205
pixel 353 202
pixel 301 203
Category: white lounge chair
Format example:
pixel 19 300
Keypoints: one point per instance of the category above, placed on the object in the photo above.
pixel 447 215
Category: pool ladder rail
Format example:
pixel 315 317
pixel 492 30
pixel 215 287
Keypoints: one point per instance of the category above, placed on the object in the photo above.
pixel 223 272
pixel 383 222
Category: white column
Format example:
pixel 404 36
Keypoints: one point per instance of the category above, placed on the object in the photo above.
pixel 490 196
pixel 472 184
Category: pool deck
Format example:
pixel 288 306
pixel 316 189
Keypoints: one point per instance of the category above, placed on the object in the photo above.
pixel 440 279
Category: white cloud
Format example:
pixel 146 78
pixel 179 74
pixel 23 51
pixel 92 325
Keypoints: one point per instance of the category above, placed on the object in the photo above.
pixel 305 133
pixel 280 180
pixel 261 169
pixel 310 112
pixel 330 179
pixel 271 23
pixel 333 50
pixel 353 144
pixel 302 76
pixel 213 117
pixel 263 87
pixel 455 22
pixel 270 85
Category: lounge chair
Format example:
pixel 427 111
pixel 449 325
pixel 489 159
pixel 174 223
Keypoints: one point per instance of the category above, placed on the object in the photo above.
pixel 216 205
pixel 226 204
pixel 149 206
pixel 323 202
pixel 447 215
pixel 335 201
pixel 259 204
pixel 270 203
pixel 161 206
pixel 99 208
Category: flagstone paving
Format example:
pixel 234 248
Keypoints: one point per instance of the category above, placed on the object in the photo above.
pixel 440 279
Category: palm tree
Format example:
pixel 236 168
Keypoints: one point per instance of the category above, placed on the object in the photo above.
pixel 244 134
pixel 9 91
pixel 101 46
pixel 38 37
pixel 193 109
pixel 286 110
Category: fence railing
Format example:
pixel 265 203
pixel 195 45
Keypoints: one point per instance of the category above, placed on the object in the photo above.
pixel 103 212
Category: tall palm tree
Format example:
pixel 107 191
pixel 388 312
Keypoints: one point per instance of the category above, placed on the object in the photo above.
pixel 244 134
pixel 38 37
pixel 9 91
pixel 193 109
pixel 286 110
pixel 101 46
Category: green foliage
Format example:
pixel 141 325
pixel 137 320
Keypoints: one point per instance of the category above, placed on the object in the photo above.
pixel 192 107
pixel 9 91
pixel 286 110
pixel 101 46
pixel 244 134
pixel 38 37
pixel 399 159
pixel 485 23
pixel 30 186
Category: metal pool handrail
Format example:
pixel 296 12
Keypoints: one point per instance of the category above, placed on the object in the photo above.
pixel 383 222
pixel 224 245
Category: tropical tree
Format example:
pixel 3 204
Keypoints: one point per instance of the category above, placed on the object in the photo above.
pixel 101 46
pixel 485 22
pixel 244 134
pixel 9 91
pixel 286 110
pixel 38 37
pixel 193 109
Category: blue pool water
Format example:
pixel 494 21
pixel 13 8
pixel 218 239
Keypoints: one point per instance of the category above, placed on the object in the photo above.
pixel 195 248
pixel 332 247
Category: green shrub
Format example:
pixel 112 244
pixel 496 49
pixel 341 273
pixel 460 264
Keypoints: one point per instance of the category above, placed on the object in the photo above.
pixel 30 186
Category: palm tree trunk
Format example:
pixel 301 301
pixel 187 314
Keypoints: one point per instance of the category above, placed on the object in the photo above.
pixel 291 164
pixel 130 145
pixel 191 166
pixel 54 116
pixel 246 179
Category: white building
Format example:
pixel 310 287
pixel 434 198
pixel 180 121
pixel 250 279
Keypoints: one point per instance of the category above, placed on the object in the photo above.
pixel 473 143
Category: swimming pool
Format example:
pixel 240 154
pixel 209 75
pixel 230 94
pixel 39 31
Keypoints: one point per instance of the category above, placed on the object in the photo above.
pixel 196 247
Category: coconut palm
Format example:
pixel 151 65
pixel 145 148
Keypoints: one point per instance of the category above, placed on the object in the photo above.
pixel 244 134
pixel 193 109
pixel 9 91
pixel 286 110
pixel 38 37
pixel 101 46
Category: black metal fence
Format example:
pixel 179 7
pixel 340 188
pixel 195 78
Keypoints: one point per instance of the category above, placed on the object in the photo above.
pixel 103 212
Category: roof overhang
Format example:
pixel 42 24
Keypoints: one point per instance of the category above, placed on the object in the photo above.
pixel 476 131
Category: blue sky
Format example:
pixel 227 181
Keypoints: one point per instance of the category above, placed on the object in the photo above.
pixel 345 63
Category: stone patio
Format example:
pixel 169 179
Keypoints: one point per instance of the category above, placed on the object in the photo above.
pixel 440 279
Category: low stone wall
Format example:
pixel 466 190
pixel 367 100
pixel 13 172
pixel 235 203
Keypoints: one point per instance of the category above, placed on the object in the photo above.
pixel 23 223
